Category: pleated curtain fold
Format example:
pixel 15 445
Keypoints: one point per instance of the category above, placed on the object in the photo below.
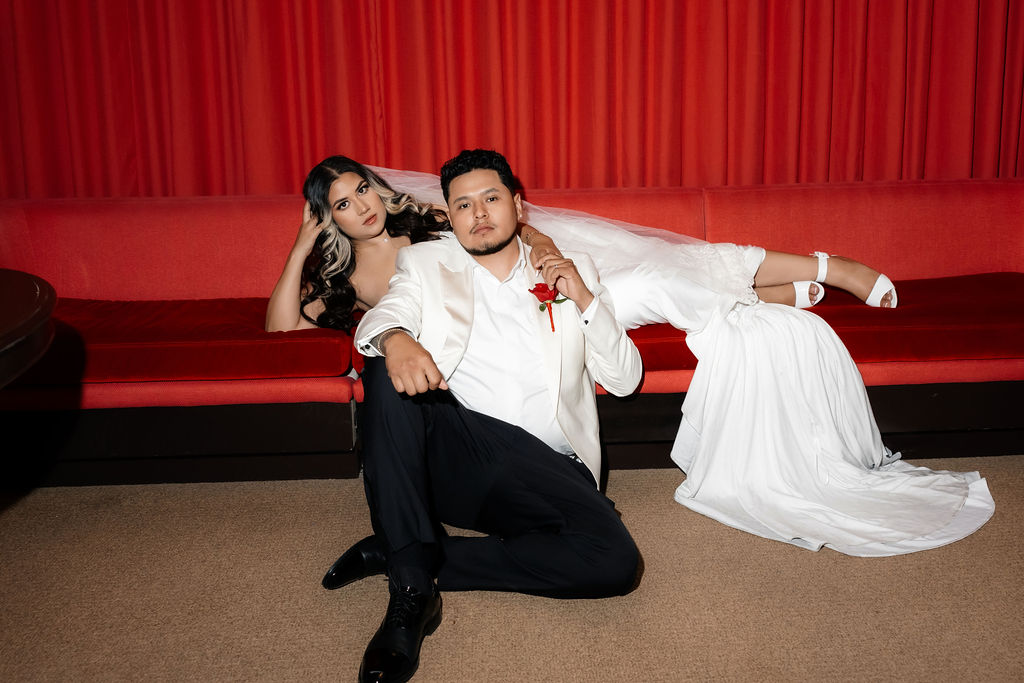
pixel 213 97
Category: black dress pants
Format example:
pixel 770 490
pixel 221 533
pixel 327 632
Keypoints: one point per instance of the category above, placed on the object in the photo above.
pixel 428 460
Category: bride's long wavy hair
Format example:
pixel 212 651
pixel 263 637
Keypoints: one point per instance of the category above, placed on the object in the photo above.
pixel 330 265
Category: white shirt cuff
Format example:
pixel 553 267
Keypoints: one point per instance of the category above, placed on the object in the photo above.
pixel 588 315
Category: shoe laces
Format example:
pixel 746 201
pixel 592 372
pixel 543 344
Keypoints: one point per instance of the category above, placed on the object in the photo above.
pixel 403 607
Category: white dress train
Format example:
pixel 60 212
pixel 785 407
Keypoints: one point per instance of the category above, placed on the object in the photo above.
pixel 777 436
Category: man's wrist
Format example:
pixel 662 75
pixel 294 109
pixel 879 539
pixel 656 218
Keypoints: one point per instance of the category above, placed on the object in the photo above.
pixel 379 340
pixel 586 303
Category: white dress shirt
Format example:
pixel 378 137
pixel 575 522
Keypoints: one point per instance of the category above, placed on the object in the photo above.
pixel 501 373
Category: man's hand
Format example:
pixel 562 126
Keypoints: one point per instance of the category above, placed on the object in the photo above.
pixel 410 366
pixel 561 274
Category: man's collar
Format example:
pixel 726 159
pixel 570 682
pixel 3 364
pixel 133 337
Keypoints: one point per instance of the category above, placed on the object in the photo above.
pixel 518 267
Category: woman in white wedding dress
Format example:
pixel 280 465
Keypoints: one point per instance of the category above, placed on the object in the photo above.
pixel 777 436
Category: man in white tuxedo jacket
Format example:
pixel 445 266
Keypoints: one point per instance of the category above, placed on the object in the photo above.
pixel 482 415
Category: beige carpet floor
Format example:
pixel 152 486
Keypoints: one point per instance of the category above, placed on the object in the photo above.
pixel 220 582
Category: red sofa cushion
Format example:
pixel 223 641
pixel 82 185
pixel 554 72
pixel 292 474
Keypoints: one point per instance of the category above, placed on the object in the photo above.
pixel 975 317
pixel 663 347
pixel 205 339
pixel 970 317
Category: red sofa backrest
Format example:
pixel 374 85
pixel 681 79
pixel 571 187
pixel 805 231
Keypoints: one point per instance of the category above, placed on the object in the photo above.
pixel 217 247
pixel 679 210
pixel 151 248
pixel 908 230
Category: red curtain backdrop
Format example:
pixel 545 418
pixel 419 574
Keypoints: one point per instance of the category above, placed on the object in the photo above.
pixel 212 97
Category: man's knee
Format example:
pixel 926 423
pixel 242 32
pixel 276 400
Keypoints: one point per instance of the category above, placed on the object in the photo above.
pixel 621 568
pixel 614 572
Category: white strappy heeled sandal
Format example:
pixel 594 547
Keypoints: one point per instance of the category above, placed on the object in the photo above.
pixel 803 287
pixel 883 285
pixel 803 294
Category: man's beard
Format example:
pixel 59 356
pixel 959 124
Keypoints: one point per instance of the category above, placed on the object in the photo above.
pixel 491 249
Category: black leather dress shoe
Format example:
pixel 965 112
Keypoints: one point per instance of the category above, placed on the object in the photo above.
pixel 393 654
pixel 365 558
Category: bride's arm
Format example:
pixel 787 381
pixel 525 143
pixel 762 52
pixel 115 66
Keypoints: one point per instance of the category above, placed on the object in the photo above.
pixel 284 308
pixel 540 244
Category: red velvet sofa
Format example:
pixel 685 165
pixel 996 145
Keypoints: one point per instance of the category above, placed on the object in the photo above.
pixel 161 370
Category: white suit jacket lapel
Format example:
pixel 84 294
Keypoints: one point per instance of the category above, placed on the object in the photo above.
pixel 455 298
pixel 551 344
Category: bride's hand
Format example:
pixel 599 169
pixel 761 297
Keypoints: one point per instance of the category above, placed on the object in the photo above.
pixel 540 245
pixel 309 230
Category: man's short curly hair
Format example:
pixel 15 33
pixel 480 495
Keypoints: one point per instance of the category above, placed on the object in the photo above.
pixel 475 159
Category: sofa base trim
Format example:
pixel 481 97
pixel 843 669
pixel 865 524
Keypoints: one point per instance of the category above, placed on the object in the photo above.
pixel 921 420
pixel 912 446
pixel 318 440
pixel 179 444
pixel 220 468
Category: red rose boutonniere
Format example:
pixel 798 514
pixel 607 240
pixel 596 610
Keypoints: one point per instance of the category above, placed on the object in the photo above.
pixel 547 296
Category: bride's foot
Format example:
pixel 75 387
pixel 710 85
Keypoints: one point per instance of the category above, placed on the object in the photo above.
pixel 807 293
pixel 867 284
pixel 797 294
